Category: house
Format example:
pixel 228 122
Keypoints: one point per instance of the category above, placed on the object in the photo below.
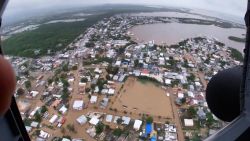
pixel 137 125
pixel 44 134
pixel 180 95
pixel 53 119
pixel 65 139
pixel 82 119
pixel 111 91
pixel 125 120
pixel 109 118
pixel 78 105
pixel 97 70
pixel 28 128
pixel 188 122
pixel 94 120
pixel 34 93
pixel 93 99
pixel 104 102
pixel 168 81
pixel 63 109
pixel 33 112
pixel 34 124
pixel 118 63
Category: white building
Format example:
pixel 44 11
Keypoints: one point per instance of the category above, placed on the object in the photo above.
pixel 94 120
pixel 109 118
pixel 188 122
pixel 93 99
pixel 53 119
pixel 78 105
pixel 82 119
pixel 137 125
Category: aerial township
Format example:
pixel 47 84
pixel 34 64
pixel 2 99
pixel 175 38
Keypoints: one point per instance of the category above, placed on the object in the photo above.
pixel 108 86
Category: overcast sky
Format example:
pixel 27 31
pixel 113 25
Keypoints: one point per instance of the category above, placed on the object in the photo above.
pixel 17 8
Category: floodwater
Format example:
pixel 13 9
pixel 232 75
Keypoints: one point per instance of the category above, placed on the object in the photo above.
pixel 172 33
pixel 171 14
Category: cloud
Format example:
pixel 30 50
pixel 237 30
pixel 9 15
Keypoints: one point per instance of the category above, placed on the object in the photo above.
pixel 24 8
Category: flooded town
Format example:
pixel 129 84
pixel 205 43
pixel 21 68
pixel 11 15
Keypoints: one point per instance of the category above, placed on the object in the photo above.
pixel 128 77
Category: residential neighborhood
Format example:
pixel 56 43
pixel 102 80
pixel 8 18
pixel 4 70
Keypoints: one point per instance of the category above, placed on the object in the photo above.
pixel 107 85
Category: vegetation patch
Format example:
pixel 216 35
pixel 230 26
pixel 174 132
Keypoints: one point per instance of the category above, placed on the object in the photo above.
pixel 237 39
pixel 236 54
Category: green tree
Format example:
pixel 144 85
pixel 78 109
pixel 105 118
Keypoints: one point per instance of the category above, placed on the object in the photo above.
pixel 108 77
pixel 119 121
pixel 65 67
pixel 112 70
pixel 65 83
pixel 50 81
pixel 210 119
pixel 87 90
pixel 117 132
pixel 84 80
pixel 136 63
pixel 27 84
pixel 43 109
pixel 37 117
pixel 99 128
pixel 149 119
pixel 191 112
pixel 20 91
pixel 71 127
pixel 74 67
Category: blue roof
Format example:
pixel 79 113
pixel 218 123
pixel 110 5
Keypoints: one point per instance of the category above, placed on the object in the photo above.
pixel 148 128
pixel 153 138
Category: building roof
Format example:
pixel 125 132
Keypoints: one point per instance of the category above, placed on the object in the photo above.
pixel 81 119
pixel 109 118
pixel 137 124
pixel 78 104
pixel 148 129
pixel 94 120
pixel 126 120
pixel 53 118
pixel 63 109
pixel 189 122
pixel 93 99
pixel 34 124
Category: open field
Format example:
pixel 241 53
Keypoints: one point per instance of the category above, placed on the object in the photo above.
pixel 144 98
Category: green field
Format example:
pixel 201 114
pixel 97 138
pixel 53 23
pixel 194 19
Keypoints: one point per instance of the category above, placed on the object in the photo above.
pixel 48 36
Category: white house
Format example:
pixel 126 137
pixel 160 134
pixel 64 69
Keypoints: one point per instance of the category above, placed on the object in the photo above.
pixel 125 120
pixel 168 81
pixel 53 119
pixel 189 122
pixel 109 118
pixel 78 105
pixel 93 99
pixel 82 119
pixel 94 120
pixel 63 109
pixel 137 125
pixel 111 91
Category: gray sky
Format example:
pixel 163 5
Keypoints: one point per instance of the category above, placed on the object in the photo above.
pixel 17 8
